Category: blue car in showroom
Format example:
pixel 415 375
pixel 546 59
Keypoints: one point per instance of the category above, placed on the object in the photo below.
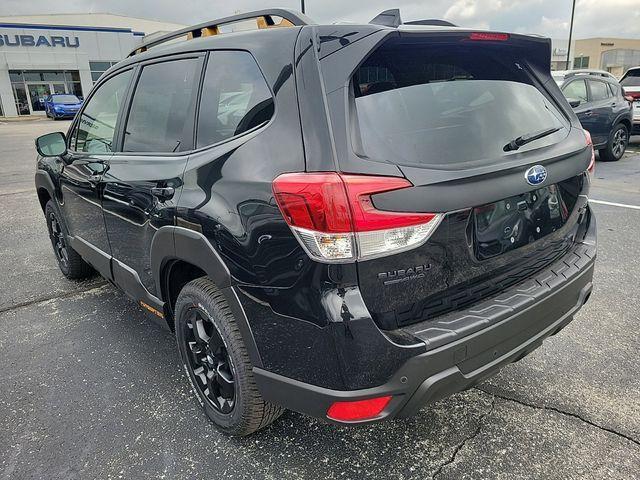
pixel 62 105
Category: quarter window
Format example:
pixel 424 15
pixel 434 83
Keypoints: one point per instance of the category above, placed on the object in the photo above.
pixel 576 90
pixel 97 124
pixel 235 98
pixel 599 90
pixel 161 115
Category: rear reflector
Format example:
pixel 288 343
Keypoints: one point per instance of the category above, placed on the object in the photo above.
pixel 358 410
pixel 334 218
pixel 489 36
pixel 592 164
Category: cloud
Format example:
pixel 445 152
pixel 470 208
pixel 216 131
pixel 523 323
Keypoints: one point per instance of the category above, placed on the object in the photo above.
pixel 615 18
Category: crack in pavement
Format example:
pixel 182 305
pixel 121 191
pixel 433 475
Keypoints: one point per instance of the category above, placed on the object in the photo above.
pixel 562 412
pixel 459 447
pixel 46 298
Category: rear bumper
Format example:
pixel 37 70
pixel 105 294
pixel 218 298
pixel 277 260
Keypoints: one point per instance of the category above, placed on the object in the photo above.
pixel 514 324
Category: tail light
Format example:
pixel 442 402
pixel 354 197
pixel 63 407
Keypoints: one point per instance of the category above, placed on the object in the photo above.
pixel 358 410
pixel 592 164
pixel 631 96
pixel 335 220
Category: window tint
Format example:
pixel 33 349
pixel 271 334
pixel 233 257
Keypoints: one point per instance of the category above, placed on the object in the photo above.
pixel 162 108
pixel 235 98
pixel 614 89
pixel 631 78
pixel 599 90
pixel 446 104
pixel 97 123
pixel 576 90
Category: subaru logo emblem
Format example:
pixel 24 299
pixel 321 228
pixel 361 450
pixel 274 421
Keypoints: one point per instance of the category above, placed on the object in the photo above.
pixel 536 175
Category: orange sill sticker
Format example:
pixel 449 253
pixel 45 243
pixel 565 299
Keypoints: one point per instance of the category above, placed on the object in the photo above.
pixel 151 309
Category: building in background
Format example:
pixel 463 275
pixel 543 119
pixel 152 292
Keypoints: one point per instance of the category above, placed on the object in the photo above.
pixel 66 53
pixel 559 49
pixel 615 55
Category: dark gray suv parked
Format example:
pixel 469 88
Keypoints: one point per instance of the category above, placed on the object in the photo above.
pixel 602 108
pixel 349 221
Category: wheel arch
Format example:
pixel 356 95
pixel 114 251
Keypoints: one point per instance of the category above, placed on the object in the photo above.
pixel 179 255
pixel 44 188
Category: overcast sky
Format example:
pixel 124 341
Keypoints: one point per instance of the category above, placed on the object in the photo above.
pixel 613 18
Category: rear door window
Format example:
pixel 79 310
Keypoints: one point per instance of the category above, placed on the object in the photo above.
pixel 235 98
pixel 576 89
pixel 599 90
pixel 163 106
pixel 422 104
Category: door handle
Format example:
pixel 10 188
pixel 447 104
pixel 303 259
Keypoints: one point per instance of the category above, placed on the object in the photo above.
pixel 163 193
pixel 94 179
pixel 588 113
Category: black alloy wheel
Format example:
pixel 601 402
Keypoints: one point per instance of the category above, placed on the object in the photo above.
pixel 217 362
pixel 617 144
pixel 209 361
pixel 58 241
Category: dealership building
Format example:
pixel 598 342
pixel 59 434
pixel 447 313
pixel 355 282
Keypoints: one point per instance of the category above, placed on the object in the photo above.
pixel 66 53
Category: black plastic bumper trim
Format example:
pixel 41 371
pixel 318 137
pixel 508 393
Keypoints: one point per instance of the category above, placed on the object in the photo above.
pixel 450 368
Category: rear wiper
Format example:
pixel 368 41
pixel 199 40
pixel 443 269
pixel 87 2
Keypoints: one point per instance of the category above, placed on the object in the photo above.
pixel 528 138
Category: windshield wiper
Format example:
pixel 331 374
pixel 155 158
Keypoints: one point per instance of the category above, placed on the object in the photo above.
pixel 528 138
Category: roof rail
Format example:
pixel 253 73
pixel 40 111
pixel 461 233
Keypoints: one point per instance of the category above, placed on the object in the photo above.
pixel 264 19
pixel 595 73
pixel 391 18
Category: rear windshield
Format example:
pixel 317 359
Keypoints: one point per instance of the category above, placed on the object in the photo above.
pixel 65 99
pixel 447 105
pixel 631 79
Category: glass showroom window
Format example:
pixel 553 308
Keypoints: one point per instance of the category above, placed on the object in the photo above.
pixel 98 68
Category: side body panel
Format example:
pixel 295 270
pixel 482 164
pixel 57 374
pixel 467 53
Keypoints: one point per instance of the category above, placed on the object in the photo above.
pixel 140 197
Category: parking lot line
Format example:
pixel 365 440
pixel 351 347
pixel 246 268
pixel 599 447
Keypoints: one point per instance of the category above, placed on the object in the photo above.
pixel 614 204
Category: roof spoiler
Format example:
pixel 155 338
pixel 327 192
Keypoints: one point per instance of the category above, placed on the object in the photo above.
pixel 391 18
pixel 264 19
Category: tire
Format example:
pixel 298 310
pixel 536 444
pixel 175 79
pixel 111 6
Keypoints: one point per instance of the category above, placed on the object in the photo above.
pixel 617 144
pixel 211 347
pixel 70 262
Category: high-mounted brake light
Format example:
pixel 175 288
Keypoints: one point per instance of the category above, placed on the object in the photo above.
pixel 335 220
pixel 489 36
pixel 592 164
pixel 358 410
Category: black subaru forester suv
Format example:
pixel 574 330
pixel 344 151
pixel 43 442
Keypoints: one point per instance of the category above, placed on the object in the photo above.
pixel 349 221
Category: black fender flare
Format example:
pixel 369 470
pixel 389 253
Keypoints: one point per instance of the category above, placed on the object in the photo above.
pixel 43 181
pixel 178 243
pixel 619 119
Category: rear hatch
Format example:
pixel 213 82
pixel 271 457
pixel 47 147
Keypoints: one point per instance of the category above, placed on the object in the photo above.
pixel 630 81
pixel 464 116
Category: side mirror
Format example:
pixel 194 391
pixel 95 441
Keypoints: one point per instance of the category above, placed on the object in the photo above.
pixel 52 144
pixel 574 102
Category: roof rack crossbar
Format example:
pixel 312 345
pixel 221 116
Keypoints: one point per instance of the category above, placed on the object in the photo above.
pixel 263 18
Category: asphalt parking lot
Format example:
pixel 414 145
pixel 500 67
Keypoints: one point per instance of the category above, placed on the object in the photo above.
pixel 91 388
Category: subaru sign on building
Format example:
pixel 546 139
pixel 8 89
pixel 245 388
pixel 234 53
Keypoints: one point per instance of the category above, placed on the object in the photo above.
pixel 45 54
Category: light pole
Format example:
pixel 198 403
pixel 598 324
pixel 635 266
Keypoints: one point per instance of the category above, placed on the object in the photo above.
pixel 302 6
pixel 573 10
